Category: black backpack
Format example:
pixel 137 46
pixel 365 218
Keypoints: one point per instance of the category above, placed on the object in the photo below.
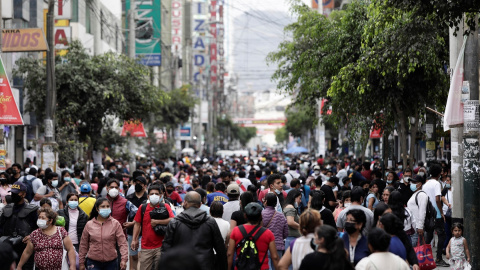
pixel 430 215
pixel 28 181
pixel 161 213
pixel 248 257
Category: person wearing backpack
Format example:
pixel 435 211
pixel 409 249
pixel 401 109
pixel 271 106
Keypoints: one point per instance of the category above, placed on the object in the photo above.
pixel 146 222
pixel 433 188
pixel 32 183
pixel 194 230
pixel 251 242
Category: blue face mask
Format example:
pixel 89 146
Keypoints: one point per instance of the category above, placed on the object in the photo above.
pixel 389 181
pixel 277 191
pixel 413 187
pixel 105 212
pixel 73 204
pixel 67 179
pixel 448 186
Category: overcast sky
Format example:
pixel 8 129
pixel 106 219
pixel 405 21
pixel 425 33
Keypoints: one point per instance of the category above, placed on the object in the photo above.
pixel 256 30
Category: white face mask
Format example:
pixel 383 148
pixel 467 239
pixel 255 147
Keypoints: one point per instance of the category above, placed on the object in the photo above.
pixel 113 192
pixel 347 204
pixel 42 224
pixel 154 199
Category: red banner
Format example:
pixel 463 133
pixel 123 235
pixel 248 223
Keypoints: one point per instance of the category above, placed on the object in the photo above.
pixel 9 113
pixel 133 128
pixel 376 134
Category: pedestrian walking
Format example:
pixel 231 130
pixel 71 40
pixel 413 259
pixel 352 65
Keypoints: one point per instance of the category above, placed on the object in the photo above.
pixel 194 229
pixel 48 242
pixel 355 241
pixel 275 222
pixel 75 219
pixel 99 239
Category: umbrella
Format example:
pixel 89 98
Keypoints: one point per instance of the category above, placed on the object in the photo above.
pixel 296 149
pixel 188 151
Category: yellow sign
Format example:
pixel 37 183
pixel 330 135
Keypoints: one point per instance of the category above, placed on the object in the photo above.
pixel 62 34
pixel 431 145
pixel 23 40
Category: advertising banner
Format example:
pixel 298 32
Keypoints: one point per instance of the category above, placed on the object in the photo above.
pixel 9 113
pixel 148 31
pixel 23 40
pixel 133 128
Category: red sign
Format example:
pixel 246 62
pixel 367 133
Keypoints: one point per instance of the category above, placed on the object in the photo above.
pixel 133 128
pixel 329 111
pixel 9 113
pixel 376 134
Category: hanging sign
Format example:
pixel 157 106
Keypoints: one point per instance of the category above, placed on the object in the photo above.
pixel 133 128
pixel 9 113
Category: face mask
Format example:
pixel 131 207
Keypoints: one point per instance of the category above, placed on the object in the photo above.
pixel 42 224
pixel 400 167
pixel 277 191
pixel 113 192
pixel 421 174
pixel 295 205
pixel 347 204
pixel 138 188
pixel 195 185
pixel 67 179
pixel 350 185
pixel 148 171
pixel 350 227
pixel 448 186
pixel 16 198
pixel 119 166
pixel 327 178
pixel 154 199
pixel 386 174
pixel 390 181
pixel 413 187
pixel 182 179
pixel 54 183
pixel 105 212
pixel 73 204
pixel 316 172
pixel 3 181
pixel 169 191
pixel 77 181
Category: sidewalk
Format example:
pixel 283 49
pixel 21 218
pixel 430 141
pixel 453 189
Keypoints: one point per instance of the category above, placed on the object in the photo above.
pixel 434 251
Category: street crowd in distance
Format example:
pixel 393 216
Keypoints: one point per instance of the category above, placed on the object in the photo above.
pixel 269 212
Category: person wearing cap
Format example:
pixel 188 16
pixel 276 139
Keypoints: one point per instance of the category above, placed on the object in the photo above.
pixel 172 194
pixel 19 219
pixel 316 171
pixel 417 204
pixel 233 204
pixel 194 229
pixel 86 202
pixel 264 243
pixel 137 198
pixel 75 219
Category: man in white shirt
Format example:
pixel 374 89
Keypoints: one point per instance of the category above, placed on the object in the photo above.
pixel 342 172
pixel 233 204
pixel 243 182
pixel 433 188
pixel 417 204
pixel 292 174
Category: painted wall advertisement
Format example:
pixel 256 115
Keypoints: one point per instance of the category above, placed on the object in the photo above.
pixel 148 31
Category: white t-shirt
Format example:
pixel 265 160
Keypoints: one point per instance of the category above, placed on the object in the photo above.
pixel 245 183
pixel 449 197
pixel 433 188
pixel 379 260
pixel 224 227
pixel 229 208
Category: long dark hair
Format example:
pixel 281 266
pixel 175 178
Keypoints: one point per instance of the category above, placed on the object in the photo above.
pixel 294 193
pixel 245 199
pixel 392 224
pixel 94 213
pixel 336 250
pixel 395 202
pixel 378 212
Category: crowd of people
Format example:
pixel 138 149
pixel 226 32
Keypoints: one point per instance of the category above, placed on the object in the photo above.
pixel 227 214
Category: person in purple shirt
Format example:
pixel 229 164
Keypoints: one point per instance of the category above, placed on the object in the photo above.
pixel 275 222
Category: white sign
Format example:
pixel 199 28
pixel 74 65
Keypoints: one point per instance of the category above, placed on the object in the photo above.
pixel 63 9
pixel 429 130
pixel 63 37
pixel 7 9
pixel 465 91
pixel 470 110
pixel 177 26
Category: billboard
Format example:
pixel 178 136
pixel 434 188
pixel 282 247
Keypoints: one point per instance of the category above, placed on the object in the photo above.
pixel 133 128
pixel 147 31
pixel 177 10
pixel 63 34
pixel 9 113
pixel 23 40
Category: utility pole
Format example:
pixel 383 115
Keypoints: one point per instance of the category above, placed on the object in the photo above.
pixel 131 30
pixel 471 155
pixel 456 147
pixel 51 87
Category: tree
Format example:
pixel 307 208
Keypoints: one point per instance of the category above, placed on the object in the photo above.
pixel 281 135
pixel 299 121
pixel 90 88
pixel 231 132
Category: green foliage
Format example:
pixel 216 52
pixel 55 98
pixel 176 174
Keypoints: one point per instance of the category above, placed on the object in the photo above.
pixel 230 131
pixel 281 135
pixel 299 121
pixel 90 88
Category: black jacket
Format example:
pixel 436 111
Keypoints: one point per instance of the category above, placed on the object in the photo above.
pixel 81 221
pixel 198 232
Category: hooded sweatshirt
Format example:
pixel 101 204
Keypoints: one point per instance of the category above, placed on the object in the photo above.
pixel 194 230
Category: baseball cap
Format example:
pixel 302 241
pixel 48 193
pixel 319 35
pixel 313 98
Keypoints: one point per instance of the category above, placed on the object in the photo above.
pixel 141 179
pixel 417 179
pixel 18 187
pixel 316 168
pixel 253 209
pixel 233 189
pixel 85 188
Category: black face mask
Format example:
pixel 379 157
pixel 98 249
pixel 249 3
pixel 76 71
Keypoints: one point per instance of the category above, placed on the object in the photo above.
pixel 194 185
pixel 350 227
pixel 3 181
pixel 138 188
pixel 16 198
pixel 169 191
pixel 366 190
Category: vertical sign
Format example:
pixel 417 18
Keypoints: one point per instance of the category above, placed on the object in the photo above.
pixel 9 113
pixel 176 26
pixel 213 43
pixel 63 9
pixel 199 28
pixel 147 31
pixel 221 50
